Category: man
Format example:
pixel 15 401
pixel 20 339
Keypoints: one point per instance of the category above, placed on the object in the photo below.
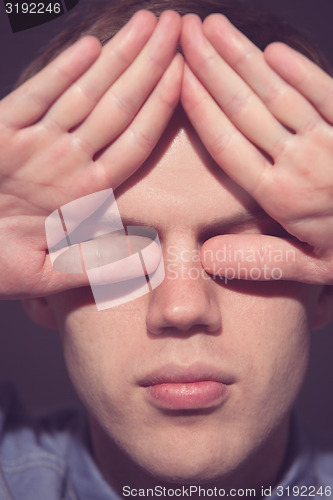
pixel 193 383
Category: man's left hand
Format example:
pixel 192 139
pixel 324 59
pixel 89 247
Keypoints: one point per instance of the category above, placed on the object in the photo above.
pixel 266 118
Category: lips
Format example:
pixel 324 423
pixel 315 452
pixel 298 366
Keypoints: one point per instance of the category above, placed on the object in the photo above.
pixel 198 386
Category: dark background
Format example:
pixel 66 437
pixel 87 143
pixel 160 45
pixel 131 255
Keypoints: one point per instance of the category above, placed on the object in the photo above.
pixel 30 356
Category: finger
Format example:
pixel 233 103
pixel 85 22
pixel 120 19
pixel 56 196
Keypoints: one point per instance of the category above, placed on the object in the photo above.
pixel 120 104
pixel 132 148
pixel 28 267
pixel 50 282
pixel 304 75
pixel 53 281
pixel 221 138
pixel 78 101
pixel 234 96
pixel 30 101
pixel 283 101
pixel 82 219
pixel 263 258
pixel 111 252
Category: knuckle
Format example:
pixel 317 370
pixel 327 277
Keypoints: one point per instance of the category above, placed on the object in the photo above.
pixel 195 104
pixel 243 59
pixel 35 98
pixel 143 139
pixel 168 100
pixel 278 148
pixel 125 104
pixel 238 103
pixel 311 125
pixel 262 187
pixel 274 95
pixel 88 93
pixel 154 59
pixel 208 60
pixel 60 72
pixel 219 143
pixel 50 124
pixel 82 144
pixel 121 54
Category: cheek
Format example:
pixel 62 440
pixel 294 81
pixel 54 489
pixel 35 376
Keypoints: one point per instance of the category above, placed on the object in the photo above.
pixel 99 346
pixel 266 329
pixel 266 313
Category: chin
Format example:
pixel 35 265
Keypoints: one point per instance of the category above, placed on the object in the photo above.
pixel 187 462
pixel 186 471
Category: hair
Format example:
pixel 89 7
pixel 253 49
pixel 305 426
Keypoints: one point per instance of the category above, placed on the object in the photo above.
pixel 104 18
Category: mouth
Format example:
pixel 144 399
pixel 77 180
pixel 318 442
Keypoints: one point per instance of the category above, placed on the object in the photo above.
pixel 196 387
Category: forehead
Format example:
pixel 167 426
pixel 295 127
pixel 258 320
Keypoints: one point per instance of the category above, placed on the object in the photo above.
pixel 180 186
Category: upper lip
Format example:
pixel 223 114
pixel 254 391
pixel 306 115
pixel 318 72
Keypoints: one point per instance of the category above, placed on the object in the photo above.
pixel 177 374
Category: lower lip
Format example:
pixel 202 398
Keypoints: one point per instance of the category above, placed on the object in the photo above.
pixel 187 396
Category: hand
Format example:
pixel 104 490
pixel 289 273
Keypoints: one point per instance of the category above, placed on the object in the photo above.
pixel 85 123
pixel 266 119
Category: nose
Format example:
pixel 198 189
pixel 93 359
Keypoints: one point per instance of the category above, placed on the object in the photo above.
pixel 186 300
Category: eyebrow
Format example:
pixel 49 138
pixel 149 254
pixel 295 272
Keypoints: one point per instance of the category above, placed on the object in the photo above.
pixel 242 220
pixel 225 225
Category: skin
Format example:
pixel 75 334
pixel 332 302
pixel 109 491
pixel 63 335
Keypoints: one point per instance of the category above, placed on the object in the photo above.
pixel 183 320
pixel 58 119
pixel 239 98
pixel 240 443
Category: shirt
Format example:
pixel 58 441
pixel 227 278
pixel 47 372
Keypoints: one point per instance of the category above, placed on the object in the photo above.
pixel 50 458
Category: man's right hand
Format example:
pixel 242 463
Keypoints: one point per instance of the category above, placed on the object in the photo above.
pixel 85 123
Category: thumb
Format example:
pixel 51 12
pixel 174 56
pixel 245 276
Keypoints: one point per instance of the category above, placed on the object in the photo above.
pixel 262 258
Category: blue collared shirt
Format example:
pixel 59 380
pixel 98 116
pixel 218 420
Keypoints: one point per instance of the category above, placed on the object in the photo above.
pixel 51 459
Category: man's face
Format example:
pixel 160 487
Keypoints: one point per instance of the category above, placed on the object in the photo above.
pixel 244 343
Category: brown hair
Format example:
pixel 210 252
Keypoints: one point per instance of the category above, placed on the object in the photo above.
pixel 108 16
